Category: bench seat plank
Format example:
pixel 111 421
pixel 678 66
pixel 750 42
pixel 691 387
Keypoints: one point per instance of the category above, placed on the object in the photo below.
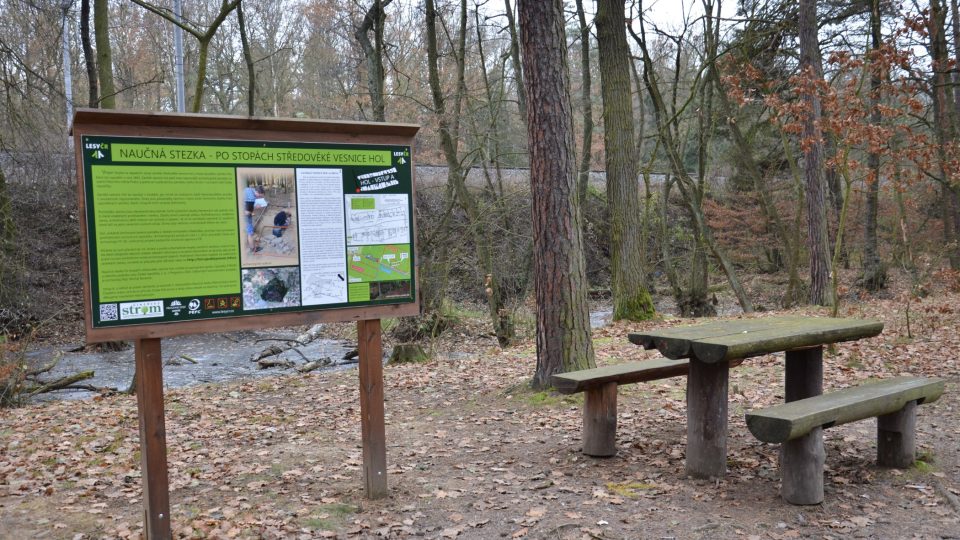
pixel 627 373
pixel 789 421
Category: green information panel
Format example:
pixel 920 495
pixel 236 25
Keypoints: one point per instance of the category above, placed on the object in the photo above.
pixel 189 229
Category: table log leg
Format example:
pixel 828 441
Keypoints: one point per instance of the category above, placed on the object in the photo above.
pixel 896 445
pixel 707 419
pixel 801 460
pixel 600 421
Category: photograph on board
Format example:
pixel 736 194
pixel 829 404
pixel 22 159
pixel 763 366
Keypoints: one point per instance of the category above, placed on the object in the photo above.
pixel 269 288
pixel 267 202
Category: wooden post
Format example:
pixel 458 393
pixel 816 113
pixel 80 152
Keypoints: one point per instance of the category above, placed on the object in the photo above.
pixel 600 421
pixel 153 439
pixel 896 443
pixel 801 460
pixel 707 419
pixel 372 428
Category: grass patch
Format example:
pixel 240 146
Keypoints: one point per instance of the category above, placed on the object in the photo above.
pixel 854 362
pixel 630 490
pixel 547 398
pixel 541 398
pixel 924 463
pixel 329 517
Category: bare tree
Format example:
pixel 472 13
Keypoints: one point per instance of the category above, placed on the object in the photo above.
pixel 203 37
pixel 373 21
pixel 667 116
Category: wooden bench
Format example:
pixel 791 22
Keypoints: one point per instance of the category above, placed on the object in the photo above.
pixel 799 425
pixel 600 406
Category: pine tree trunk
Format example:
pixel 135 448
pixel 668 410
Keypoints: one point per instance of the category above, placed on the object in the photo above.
pixel 817 239
pixel 563 319
pixel 874 275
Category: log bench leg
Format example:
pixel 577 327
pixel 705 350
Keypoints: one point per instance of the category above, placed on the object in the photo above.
pixel 802 459
pixel 801 468
pixel 707 419
pixel 896 443
pixel 600 421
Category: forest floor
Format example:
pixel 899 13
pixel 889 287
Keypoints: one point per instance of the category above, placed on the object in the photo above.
pixel 474 453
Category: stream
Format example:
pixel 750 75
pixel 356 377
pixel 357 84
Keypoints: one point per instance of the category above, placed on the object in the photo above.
pixel 209 358
pixel 215 358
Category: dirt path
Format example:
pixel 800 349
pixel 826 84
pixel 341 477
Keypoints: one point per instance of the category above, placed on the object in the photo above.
pixel 472 453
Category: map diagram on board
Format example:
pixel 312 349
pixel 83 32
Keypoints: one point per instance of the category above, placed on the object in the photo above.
pixel 377 219
pixel 367 264
pixel 321 289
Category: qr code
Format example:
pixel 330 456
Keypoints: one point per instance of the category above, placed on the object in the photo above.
pixel 108 312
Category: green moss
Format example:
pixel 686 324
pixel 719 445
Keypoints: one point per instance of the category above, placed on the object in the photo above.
pixel 638 307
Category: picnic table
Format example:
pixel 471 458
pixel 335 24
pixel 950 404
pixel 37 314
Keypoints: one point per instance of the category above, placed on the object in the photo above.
pixel 712 347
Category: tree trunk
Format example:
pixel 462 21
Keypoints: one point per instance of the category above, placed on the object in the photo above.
pixel 665 253
pixel 248 60
pixel 945 128
pixel 631 300
pixel 587 105
pixel 817 239
pixel 101 29
pixel 515 60
pixel 563 319
pixel 874 275
pixel 88 58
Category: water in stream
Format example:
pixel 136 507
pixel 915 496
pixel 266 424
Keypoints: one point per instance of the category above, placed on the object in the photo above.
pixel 215 358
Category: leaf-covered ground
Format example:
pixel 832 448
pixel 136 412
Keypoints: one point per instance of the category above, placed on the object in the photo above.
pixel 473 453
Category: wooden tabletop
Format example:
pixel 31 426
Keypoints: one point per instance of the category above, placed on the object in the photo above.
pixel 742 338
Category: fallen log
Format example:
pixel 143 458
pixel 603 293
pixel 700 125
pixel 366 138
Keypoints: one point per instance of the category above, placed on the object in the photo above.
pixel 303 339
pixel 265 363
pixel 58 384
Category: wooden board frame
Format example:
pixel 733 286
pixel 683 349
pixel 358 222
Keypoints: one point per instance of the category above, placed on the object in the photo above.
pixel 92 122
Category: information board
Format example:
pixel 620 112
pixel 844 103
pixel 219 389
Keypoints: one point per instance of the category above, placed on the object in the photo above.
pixel 181 229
